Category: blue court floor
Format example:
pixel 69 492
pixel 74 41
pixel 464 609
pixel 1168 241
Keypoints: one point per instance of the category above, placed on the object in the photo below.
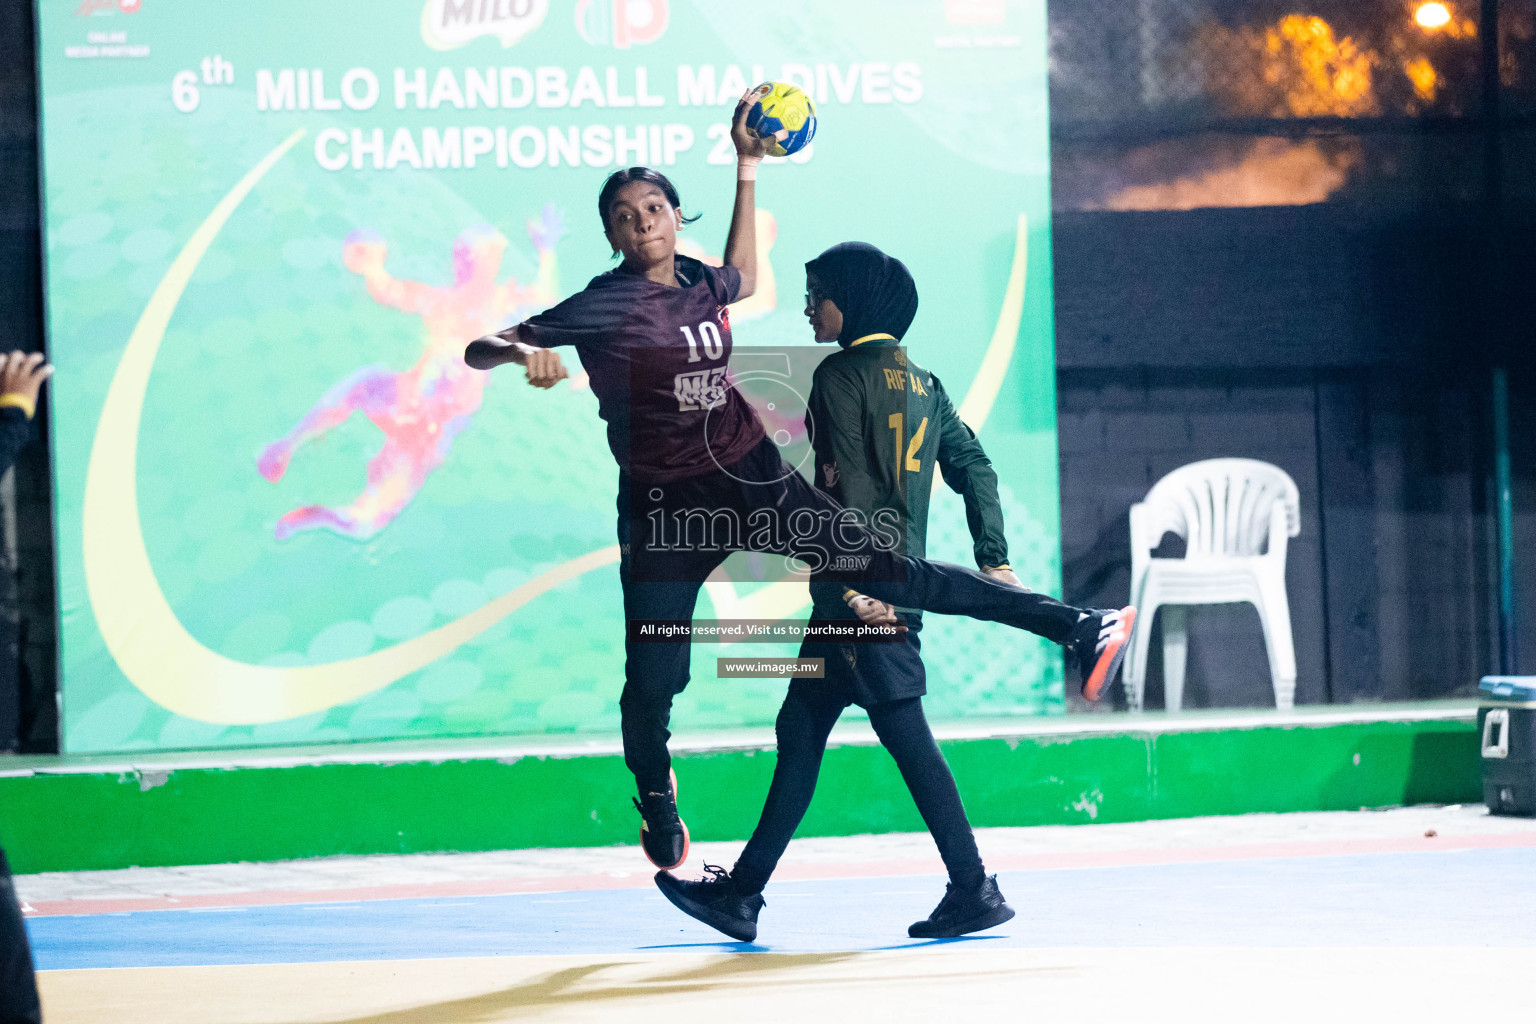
pixel 1466 898
pixel 1172 928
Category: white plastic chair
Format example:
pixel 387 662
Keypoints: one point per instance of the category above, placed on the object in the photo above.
pixel 1236 517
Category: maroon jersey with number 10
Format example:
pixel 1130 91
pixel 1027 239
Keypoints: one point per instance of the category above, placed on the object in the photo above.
pixel 658 358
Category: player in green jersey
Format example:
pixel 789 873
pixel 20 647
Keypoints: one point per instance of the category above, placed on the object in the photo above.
pixel 880 424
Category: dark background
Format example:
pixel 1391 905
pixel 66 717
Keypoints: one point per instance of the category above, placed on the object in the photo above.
pixel 1349 341
pixel 28 708
pixel 1251 260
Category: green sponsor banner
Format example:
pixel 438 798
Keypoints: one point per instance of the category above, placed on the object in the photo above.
pixel 287 513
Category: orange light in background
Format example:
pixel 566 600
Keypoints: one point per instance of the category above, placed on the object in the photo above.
pixel 1327 75
pixel 1272 172
pixel 1432 16
pixel 1423 76
pixel 1296 67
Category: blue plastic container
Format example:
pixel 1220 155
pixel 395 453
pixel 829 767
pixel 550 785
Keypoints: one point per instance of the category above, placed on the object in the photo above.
pixel 1522 688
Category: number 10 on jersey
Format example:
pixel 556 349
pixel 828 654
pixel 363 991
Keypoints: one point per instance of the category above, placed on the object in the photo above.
pixel 714 346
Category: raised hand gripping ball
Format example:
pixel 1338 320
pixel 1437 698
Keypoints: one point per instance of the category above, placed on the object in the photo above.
pixel 784 107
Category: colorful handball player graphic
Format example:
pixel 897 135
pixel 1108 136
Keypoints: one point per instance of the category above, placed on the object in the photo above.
pixel 424 408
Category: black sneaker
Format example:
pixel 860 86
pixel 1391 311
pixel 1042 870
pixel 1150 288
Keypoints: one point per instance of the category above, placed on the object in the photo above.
pixel 716 901
pixel 1098 647
pixel 963 911
pixel 663 836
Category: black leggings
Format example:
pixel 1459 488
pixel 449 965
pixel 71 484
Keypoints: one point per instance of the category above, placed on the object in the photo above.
pixel 662 581
pixel 805 721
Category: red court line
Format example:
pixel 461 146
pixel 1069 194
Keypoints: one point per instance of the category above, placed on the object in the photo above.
pixel 641 878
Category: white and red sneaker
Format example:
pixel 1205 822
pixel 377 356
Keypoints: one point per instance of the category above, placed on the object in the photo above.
pixel 1098 647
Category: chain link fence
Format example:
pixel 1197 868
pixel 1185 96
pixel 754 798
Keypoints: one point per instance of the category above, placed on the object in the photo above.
pixel 1172 104
pixel 1149 66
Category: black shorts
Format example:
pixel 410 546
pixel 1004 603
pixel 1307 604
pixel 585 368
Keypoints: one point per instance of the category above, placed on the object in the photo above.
pixel 870 673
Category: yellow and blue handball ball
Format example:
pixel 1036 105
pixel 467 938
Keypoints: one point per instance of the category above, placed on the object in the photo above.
pixel 784 107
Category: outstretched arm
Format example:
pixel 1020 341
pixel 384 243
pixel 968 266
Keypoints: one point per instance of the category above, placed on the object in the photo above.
pixel 588 318
pixel 741 241
pixel 543 365
pixel 364 254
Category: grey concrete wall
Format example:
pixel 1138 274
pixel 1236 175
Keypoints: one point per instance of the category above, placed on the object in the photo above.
pixel 1349 352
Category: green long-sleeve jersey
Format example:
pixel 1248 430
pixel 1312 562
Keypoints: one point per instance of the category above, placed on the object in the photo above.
pixel 879 424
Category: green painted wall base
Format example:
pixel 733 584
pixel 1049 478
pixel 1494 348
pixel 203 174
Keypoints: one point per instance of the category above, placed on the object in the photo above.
pixel 60 815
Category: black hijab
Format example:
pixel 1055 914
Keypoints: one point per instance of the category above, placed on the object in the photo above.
pixel 874 292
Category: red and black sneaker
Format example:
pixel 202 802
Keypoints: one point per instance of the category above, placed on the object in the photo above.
pixel 1098 647
pixel 663 836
